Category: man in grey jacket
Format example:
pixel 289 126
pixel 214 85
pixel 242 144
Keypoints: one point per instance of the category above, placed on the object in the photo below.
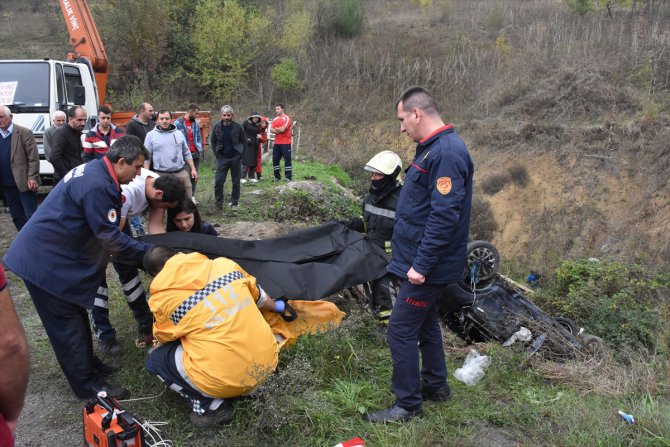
pixel 58 118
pixel 169 152
pixel 228 144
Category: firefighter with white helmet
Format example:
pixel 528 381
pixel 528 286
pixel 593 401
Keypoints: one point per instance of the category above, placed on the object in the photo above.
pixel 378 218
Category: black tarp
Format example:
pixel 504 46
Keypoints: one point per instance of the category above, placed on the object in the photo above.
pixel 308 264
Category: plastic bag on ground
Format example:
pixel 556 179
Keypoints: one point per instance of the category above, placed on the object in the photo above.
pixel 523 334
pixel 473 369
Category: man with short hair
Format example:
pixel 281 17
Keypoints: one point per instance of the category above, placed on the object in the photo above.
pixel 189 127
pixel 74 232
pixel 19 168
pixel 58 119
pixel 429 243
pixel 281 128
pixel 228 144
pixel 142 123
pixel 169 153
pixel 99 139
pixel 146 191
pixel 66 145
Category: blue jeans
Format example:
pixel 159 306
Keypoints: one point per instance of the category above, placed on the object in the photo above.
pixel 21 205
pixel 415 326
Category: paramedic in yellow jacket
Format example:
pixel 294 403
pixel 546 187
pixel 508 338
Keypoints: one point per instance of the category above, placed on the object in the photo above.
pixel 215 343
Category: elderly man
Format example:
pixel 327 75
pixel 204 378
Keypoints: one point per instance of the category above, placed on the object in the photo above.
pixel 429 243
pixel 66 145
pixel 189 127
pixel 99 139
pixel 74 232
pixel 142 123
pixel 169 152
pixel 228 144
pixel 58 119
pixel 19 168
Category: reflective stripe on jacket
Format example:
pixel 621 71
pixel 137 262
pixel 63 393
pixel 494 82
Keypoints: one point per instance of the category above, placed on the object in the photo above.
pixel 210 305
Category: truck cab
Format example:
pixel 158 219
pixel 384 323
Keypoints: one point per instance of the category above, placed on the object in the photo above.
pixel 35 89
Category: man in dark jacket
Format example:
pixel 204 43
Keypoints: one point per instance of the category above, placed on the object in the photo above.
pixel 142 123
pixel 429 244
pixel 377 222
pixel 228 145
pixel 74 232
pixel 66 143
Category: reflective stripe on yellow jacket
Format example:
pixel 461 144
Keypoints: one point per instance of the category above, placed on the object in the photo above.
pixel 211 306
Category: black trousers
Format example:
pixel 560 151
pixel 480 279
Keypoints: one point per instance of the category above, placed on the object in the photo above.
pixel 223 165
pixel 69 332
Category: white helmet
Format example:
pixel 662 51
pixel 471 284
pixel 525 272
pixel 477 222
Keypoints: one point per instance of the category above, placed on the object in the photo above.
pixel 385 162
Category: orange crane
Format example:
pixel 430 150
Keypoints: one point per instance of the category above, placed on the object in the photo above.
pixel 86 42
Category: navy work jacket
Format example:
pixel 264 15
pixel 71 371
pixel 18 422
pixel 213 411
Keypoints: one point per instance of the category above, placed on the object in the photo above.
pixel 65 246
pixel 433 213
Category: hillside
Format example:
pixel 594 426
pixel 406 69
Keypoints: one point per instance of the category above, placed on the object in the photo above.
pixel 567 115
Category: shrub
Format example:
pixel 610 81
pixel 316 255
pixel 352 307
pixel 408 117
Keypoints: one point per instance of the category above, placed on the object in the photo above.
pixel 483 225
pixel 349 17
pixel 518 175
pixel 494 183
pixel 285 75
pixel 625 304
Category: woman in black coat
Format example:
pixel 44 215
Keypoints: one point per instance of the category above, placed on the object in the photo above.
pixel 252 131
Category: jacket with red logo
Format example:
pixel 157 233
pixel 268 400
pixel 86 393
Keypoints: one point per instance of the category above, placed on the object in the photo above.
pixel 433 213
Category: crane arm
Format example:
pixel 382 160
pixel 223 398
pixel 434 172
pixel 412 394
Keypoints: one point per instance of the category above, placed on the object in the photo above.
pixel 86 41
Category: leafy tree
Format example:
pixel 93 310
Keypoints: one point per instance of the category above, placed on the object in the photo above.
pixel 580 6
pixel 298 31
pixel 349 17
pixel 227 39
pixel 139 38
pixel 285 75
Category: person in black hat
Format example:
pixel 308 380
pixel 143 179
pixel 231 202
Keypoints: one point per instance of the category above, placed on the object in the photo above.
pixel 252 131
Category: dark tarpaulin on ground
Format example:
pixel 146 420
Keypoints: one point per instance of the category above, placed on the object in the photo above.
pixel 308 264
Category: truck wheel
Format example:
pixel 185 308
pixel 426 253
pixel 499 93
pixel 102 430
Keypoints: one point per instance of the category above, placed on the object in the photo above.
pixel 486 255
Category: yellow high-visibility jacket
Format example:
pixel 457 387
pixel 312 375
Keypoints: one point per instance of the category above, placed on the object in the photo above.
pixel 210 305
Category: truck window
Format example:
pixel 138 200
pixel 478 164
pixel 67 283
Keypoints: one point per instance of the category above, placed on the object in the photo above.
pixel 72 78
pixel 59 87
pixel 31 81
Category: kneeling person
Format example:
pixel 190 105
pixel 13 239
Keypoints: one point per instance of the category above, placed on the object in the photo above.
pixel 216 345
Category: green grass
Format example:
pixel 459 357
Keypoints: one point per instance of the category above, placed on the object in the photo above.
pixel 275 201
pixel 325 382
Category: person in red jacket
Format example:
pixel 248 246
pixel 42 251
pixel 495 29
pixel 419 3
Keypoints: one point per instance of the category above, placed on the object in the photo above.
pixel 99 139
pixel 281 128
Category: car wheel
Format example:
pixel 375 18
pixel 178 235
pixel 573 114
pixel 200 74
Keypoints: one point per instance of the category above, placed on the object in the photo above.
pixel 486 256
pixel 567 324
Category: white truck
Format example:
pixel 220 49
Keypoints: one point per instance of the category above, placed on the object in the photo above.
pixel 35 89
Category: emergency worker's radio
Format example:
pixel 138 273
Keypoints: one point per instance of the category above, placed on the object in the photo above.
pixel 107 424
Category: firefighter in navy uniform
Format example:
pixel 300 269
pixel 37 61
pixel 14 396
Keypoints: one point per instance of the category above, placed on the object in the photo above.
pixel 62 252
pixel 378 219
pixel 429 242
